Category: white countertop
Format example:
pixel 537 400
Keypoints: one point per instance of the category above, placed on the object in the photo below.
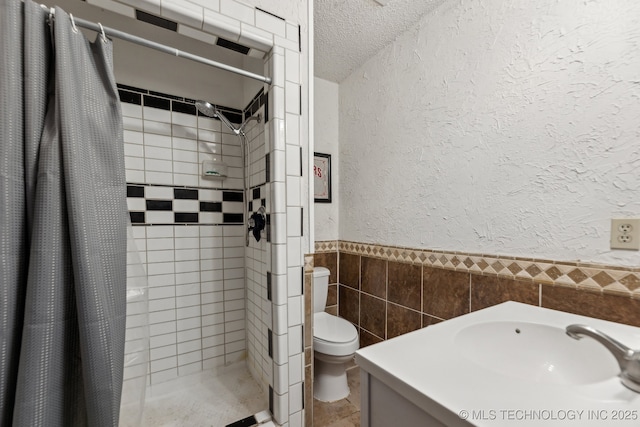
pixel 427 369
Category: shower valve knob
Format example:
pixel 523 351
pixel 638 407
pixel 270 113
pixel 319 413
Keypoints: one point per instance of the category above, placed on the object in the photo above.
pixel 257 222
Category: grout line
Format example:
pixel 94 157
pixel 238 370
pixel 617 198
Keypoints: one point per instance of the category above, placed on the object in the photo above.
pixel 386 297
pixel 421 296
pixel 470 292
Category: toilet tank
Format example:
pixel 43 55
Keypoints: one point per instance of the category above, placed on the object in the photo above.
pixel 320 288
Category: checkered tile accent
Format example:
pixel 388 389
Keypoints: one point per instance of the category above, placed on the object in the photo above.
pixel 168 205
pixel 257 198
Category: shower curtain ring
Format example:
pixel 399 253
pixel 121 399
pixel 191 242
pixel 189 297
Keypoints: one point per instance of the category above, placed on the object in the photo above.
pixel 52 13
pixel 73 24
pixel 104 36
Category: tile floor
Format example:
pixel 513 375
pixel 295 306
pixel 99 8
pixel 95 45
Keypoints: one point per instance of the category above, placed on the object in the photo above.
pixel 212 401
pixel 220 400
pixel 343 413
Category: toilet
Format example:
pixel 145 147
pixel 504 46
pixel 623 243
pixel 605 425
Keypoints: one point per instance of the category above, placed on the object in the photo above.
pixel 335 340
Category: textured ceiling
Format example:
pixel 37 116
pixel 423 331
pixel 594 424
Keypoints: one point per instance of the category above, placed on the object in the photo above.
pixel 348 32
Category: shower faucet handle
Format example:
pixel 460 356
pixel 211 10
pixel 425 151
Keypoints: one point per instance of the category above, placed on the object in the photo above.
pixel 257 222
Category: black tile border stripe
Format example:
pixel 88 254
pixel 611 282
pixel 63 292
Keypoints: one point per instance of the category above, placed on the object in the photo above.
pixel 156 20
pixel 156 102
pixel 233 117
pixel 236 47
pixel 267 166
pixel 130 97
pixel 178 104
pixel 300 161
pixel 269 13
pixel 166 95
pixel 268 227
pixel 132 88
pixel 184 107
pixel 256 102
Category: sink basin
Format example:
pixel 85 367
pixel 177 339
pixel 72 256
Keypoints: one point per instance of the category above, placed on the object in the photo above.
pixel 492 366
pixel 535 352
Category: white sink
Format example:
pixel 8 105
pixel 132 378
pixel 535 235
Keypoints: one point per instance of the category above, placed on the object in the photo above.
pixel 535 352
pixel 491 366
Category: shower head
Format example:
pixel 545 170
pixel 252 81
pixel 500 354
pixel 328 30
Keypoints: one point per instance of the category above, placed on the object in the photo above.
pixel 206 108
pixel 210 111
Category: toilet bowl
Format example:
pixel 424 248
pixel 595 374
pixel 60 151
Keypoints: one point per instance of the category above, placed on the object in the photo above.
pixel 335 340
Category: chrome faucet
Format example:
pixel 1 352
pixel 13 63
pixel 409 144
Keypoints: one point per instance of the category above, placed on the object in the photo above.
pixel 628 359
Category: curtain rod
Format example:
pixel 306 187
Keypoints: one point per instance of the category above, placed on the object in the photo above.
pixel 160 47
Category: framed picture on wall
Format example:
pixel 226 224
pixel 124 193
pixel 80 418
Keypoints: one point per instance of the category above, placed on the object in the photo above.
pixel 322 177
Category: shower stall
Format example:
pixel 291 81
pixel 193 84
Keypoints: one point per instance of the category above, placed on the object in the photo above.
pixel 191 232
pixel 225 306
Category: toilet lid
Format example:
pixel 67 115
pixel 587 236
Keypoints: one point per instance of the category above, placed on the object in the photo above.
pixel 333 328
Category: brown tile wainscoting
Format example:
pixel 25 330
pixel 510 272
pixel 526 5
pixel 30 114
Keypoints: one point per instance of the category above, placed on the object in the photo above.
pixel 388 291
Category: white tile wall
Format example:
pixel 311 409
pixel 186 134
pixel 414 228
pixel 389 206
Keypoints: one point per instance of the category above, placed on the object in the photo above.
pixel 238 10
pixel 267 36
pixel 258 320
pixel 225 26
pixel 196 289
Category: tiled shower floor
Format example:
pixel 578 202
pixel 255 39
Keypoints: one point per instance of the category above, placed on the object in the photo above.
pixel 213 401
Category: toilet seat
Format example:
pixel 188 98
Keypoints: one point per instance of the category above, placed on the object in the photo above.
pixel 333 335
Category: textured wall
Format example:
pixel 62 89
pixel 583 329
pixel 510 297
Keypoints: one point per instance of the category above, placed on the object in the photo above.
pixel 347 33
pixel 326 119
pixel 497 127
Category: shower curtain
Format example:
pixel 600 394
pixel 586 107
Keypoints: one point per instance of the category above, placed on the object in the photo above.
pixel 63 223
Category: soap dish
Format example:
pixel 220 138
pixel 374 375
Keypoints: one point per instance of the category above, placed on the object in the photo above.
pixel 214 170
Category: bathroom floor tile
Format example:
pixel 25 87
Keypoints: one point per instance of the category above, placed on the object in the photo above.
pixel 353 379
pixel 343 413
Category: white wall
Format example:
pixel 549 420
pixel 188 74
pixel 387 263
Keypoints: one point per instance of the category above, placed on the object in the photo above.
pixel 326 120
pixel 497 127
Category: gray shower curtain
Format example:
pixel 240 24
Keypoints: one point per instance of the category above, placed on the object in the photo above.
pixel 62 224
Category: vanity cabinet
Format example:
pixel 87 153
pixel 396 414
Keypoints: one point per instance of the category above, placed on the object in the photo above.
pixel 381 406
pixel 508 365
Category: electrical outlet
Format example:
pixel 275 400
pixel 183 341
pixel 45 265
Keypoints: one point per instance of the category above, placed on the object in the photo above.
pixel 625 234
